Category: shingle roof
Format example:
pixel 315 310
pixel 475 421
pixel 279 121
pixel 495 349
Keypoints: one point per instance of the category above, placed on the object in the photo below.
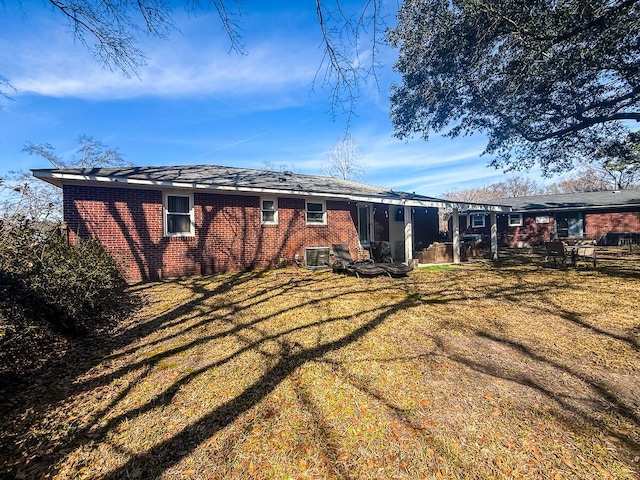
pixel 574 201
pixel 240 179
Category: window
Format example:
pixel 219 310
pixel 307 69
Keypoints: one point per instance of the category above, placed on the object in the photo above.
pixel 269 211
pixel 542 219
pixel 477 221
pixel 515 220
pixel 178 215
pixel 316 213
pixel 364 224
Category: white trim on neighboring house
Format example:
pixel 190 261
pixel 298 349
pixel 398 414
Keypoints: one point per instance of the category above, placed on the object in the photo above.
pixel 272 209
pixel 514 220
pixel 172 223
pixel 314 213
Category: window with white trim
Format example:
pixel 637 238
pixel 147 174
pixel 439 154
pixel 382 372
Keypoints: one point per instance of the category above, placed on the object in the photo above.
pixel 178 215
pixel 316 213
pixel 269 211
pixel 477 221
pixel 515 219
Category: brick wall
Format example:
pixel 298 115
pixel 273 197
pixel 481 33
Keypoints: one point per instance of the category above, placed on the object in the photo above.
pixel 228 234
pixel 529 233
pixel 598 223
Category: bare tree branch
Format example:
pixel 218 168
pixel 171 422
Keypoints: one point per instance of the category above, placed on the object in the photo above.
pixel 4 86
pixel 344 66
pixel 231 25
pixel 90 153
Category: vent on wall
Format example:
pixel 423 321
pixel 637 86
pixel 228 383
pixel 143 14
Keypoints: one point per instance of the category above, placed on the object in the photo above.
pixel 316 257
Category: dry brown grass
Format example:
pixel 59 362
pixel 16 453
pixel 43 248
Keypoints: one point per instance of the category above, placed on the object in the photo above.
pixel 507 371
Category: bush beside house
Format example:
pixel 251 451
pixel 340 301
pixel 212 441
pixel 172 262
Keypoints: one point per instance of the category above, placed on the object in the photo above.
pixel 50 289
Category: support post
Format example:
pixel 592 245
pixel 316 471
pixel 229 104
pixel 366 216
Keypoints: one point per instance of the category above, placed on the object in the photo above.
pixel 456 235
pixel 494 237
pixel 408 235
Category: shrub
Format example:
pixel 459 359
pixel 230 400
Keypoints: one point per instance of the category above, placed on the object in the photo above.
pixel 70 287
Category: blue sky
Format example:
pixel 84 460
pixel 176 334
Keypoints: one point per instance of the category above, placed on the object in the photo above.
pixel 196 103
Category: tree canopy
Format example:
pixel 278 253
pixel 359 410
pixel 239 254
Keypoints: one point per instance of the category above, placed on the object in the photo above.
pixel 548 81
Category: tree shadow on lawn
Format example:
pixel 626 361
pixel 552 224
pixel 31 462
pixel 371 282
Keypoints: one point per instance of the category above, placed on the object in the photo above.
pixel 30 398
pixel 582 399
pixel 289 359
pixel 127 342
pixel 563 280
pixel 220 309
pixel 87 351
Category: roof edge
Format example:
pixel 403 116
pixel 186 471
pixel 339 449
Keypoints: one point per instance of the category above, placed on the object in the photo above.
pixel 57 179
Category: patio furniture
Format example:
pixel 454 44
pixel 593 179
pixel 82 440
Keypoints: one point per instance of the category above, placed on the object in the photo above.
pixel 555 252
pixel 585 254
pixel 381 254
pixel 343 263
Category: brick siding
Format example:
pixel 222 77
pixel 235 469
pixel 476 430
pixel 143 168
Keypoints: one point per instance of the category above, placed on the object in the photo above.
pixel 529 233
pixel 596 224
pixel 228 234
pixel 599 223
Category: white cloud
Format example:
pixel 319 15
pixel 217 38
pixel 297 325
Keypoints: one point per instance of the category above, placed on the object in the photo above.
pixel 380 149
pixel 195 63
pixel 168 74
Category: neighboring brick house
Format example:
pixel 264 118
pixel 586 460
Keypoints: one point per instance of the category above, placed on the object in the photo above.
pixel 189 220
pixel 605 217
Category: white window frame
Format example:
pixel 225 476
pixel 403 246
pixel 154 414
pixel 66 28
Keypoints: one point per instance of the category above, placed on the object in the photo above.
pixel 477 217
pixel 275 211
pixel 324 212
pixel 166 213
pixel 371 223
pixel 514 220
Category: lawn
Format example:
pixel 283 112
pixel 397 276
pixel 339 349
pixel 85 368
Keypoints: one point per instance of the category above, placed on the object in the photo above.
pixel 482 371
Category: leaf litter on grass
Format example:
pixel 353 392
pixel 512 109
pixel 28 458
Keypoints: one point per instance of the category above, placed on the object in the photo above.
pixel 477 372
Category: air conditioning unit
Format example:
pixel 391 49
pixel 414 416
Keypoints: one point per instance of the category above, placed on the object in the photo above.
pixel 316 257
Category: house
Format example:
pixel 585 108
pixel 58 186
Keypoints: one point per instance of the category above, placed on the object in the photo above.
pixel 196 219
pixel 607 217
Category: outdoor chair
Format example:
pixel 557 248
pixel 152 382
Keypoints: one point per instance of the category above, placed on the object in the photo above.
pixel 343 263
pixel 381 254
pixel 586 254
pixel 556 253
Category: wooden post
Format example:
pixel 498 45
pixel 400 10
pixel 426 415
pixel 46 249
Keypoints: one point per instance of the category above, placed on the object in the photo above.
pixel 494 237
pixel 456 235
pixel 408 235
